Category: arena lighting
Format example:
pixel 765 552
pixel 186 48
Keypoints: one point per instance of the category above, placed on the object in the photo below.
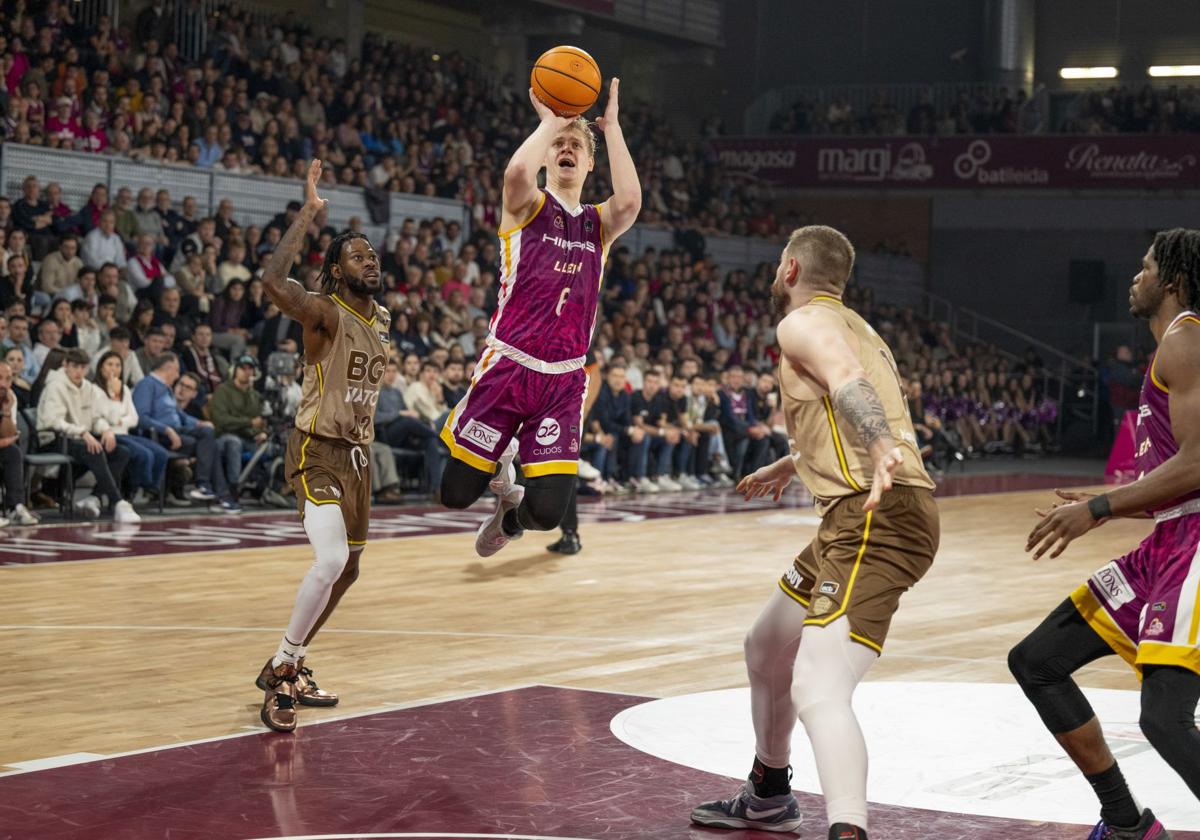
pixel 1088 72
pixel 1174 70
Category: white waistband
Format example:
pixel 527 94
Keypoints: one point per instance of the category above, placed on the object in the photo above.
pixel 1185 509
pixel 522 358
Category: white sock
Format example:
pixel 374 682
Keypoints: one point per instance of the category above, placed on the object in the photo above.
pixel 326 531
pixel 771 647
pixel 288 651
pixel 829 667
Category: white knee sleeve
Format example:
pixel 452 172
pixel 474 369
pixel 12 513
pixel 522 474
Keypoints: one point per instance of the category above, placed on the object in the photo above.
pixel 829 667
pixel 326 529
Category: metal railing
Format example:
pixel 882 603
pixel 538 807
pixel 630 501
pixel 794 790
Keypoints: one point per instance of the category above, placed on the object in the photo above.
pixel 1074 381
pixel 87 13
pixel 902 96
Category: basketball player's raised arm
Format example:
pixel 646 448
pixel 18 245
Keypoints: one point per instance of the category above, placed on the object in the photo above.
pixel 620 211
pixel 520 176
pixel 314 312
pixel 816 345
pixel 1177 476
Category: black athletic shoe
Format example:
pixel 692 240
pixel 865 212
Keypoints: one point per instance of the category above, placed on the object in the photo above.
pixel 568 544
pixel 845 831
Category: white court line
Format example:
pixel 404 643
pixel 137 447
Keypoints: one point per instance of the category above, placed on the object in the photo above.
pixel 379 710
pixel 455 836
pixel 645 642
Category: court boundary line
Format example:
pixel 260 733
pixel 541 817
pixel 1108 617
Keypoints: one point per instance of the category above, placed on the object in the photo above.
pixel 397 707
pixel 32 532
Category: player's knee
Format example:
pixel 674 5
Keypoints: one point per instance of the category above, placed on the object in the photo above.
pixel 1156 723
pixel 1019 663
pixel 350 573
pixel 462 485
pixel 757 652
pixel 546 500
pixel 453 495
pixel 330 563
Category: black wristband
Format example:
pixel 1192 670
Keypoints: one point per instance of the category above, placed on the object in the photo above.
pixel 1099 507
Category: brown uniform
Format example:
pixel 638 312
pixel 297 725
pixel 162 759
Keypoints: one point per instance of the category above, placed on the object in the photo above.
pixel 860 563
pixel 327 462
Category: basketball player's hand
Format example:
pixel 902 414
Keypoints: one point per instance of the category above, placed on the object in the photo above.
pixel 769 479
pixel 1058 528
pixel 1079 496
pixel 312 201
pixel 610 110
pixel 546 115
pixel 881 481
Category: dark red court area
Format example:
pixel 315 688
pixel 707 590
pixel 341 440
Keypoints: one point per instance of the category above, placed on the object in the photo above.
pixel 532 762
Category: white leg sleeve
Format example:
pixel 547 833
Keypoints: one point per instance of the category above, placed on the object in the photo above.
pixel 829 667
pixel 326 531
pixel 771 648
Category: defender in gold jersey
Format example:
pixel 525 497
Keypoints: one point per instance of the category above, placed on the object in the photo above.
pixel 854 448
pixel 345 351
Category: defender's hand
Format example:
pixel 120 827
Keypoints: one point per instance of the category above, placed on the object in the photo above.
pixel 766 480
pixel 609 120
pixel 1059 527
pixel 312 201
pixel 881 481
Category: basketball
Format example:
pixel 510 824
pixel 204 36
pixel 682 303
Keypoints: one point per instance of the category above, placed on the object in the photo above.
pixel 566 79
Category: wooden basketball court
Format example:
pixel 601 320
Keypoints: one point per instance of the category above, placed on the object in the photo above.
pixel 132 651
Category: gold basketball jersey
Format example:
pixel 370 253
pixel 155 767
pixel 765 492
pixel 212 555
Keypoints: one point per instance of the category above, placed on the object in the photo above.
pixel 340 391
pixel 829 456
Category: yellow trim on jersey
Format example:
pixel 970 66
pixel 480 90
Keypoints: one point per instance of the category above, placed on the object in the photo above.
pixel 1195 628
pixel 1165 653
pixel 1154 378
pixel 792 594
pixel 304 479
pixel 354 311
pixel 550 468
pixel 460 452
pixel 829 298
pixel 837 444
pixel 504 234
pixel 862 549
pixel 1098 619
pixel 863 640
pixel 312 427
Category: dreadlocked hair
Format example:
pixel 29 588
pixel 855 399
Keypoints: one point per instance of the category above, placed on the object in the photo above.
pixel 1177 252
pixel 332 256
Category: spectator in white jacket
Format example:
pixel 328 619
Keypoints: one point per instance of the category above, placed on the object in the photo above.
pixel 103 244
pixel 68 407
pixel 114 402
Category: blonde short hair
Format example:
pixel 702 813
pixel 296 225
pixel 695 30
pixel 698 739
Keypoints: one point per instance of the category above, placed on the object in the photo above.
pixel 584 127
pixel 824 253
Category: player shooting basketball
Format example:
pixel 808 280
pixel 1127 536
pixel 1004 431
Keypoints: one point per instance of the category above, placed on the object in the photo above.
pixel 345 350
pixel 529 385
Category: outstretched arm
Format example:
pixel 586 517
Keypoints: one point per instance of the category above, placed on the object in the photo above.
pixel 520 176
pixel 314 312
pixel 620 211
pixel 817 345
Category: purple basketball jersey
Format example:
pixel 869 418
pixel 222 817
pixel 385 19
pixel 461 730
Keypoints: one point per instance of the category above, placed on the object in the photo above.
pixel 1155 441
pixel 550 282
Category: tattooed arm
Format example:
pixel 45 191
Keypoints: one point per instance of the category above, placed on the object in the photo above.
pixel 316 313
pixel 818 345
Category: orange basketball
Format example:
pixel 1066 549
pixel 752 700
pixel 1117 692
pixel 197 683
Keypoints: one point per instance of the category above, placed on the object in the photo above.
pixel 567 79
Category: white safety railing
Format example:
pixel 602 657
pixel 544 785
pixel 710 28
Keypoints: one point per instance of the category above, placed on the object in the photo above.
pixel 256 199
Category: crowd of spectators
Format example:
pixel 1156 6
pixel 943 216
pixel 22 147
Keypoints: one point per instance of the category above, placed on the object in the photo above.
pixel 266 99
pixel 1115 110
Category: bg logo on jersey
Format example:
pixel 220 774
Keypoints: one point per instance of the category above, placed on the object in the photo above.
pixel 362 367
pixel 548 431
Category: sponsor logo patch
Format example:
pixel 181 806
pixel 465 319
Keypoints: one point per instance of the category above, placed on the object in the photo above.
pixel 547 450
pixel 793 579
pixel 821 605
pixel 1113 586
pixel 1155 628
pixel 1159 606
pixel 829 587
pixel 384 338
pixel 482 435
pixel 548 431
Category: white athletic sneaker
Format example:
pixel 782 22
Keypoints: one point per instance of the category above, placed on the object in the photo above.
pixel 124 512
pixel 490 537
pixel 648 485
pixel 3 521
pixel 90 507
pixel 23 516
pixel 668 484
pixel 587 472
pixel 688 482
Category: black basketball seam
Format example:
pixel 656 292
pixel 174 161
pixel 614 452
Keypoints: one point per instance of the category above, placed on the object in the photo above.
pixel 578 54
pixel 569 76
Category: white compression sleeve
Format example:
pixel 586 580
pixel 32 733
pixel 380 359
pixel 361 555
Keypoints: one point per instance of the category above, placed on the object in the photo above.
pixel 771 648
pixel 326 531
pixel 829 667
